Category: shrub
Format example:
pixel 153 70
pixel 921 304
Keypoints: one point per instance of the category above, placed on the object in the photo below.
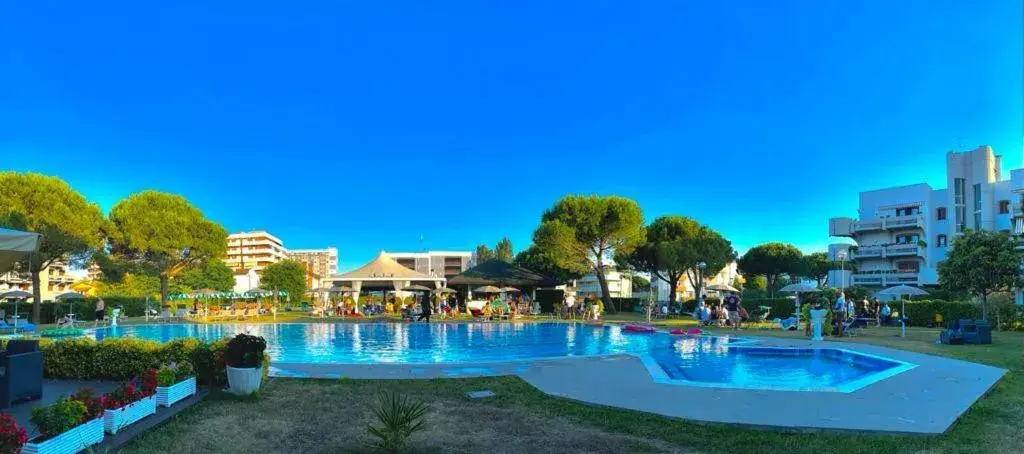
pixel 399 417
pixel 12 436
pixel 165 377
pixel 93 404
pixel 245 350
pixel 58 417
pixel 124 358
pixel 131 391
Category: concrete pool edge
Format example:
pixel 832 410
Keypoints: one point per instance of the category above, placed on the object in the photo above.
pixel 928 399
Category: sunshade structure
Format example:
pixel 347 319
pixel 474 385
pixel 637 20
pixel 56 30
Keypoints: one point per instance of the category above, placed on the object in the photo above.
pixel 501 274
pixel 722 288
pixel 899 291
pixel 383 273
pixel 16 295
pixel 14 246
pixel 488 289
pixel 798 288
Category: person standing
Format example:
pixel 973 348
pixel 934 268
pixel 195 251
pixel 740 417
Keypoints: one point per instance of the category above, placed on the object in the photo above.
pixel 424 310
pixel 570 300
pixel 732 307
pixel 101 311
pixel 839 314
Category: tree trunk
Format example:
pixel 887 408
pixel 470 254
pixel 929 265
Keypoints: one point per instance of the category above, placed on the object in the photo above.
pixel 163 289
pixel 36 297
pixel 984 306
pixel 771 285
pixel 672 291
pixel 605 293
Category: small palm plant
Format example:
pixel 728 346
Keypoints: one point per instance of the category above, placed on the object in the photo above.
pixel 399 417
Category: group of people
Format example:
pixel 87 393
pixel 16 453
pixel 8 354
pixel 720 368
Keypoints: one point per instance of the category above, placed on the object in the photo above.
pixel 729 311
pixel 590 309
pixel 882 313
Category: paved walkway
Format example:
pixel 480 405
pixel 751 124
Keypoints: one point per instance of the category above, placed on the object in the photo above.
pixel 927 399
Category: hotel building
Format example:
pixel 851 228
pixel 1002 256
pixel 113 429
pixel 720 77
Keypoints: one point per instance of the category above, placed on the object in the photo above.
pixel 320 263
pixel 620 284
pixel 53 281
pixel 444 264
pixel 253 251
pixel 902 233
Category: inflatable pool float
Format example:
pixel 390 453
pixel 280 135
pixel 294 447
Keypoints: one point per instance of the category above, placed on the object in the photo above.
pixel 677 332
pixel 635 328
pixel 57 333
pixel 694 332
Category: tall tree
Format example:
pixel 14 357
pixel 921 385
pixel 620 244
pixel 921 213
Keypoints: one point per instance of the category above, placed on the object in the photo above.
pixel 580 233
pixel 535 259
pixel 212 273
pixel 69 226
pixel 503 250
pixel 980 263
pixel 816 266
pixel 288 275
pixel 675 247
pixel 772 260
pixel 163 232
pixel 483 253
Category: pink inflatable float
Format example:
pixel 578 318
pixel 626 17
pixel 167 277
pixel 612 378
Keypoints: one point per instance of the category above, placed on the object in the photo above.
pixel 636 328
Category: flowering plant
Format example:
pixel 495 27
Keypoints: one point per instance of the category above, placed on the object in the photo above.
pixel 93 404
pixel 12 436
pixel 131 391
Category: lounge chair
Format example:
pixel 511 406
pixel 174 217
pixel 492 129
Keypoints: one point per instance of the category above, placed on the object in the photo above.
pixel 787 324
pixel 164 316
pixel 21 378
pixel 180 314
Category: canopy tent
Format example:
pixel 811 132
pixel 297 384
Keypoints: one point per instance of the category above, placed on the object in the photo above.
pixel 14 246
pixel 383 272
pixel 501 274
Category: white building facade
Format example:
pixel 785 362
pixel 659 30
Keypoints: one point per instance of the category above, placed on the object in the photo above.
pixel 902 233
pixel 620 284
pixel 446 264
pixel 253 250
pixel 684 290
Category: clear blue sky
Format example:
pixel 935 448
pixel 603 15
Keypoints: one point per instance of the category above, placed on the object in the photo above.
pixel 364 125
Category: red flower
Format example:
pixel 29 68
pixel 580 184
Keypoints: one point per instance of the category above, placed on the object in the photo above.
pixel 12 436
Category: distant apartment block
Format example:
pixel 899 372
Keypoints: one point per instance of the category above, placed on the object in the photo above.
pixel 320 263
pixel 902 233
pixel 445 264
pixel 53 281
pixel 684 290
pixel 620 284
pixel 253 250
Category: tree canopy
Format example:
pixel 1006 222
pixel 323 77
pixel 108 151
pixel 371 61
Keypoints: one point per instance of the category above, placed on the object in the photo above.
pixel 483 253
pixel 503 250
pixel 288 275
pixel 980 263
pixel 772 260
pixel 640 283
pixel 816 266
pixel 211 274
pixel 69 226
pixel 580 233
pixel 674 248
pixel 165 232
pixel 534 259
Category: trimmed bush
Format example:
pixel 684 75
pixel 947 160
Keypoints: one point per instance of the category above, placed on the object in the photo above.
pixel 124 358
pixel 84 309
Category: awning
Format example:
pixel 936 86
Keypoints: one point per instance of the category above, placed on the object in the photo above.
pixel 14 246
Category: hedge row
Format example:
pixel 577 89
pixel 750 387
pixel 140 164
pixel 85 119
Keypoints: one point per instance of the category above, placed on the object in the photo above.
pixel 84 309
pixel 125 357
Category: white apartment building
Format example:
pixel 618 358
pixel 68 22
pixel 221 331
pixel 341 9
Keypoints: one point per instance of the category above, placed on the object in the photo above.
pixel 902 233
pixel 322 262
pixel 253 250
pixel 684 290
pixel 444 264
pixel 53 280
pixel 620 284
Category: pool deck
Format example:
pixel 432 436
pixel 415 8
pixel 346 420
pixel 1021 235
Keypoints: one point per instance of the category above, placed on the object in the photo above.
pixel 927 399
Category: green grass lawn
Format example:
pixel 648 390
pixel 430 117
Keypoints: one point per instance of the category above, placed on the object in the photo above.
pixel 295 415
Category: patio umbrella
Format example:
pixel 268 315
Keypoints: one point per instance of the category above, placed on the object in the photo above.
pixel 415 288
pixel 488 289
pixel 722 288
pixel 509 289
pixel 443 290
pixel 798 288
pixel 70 297
pixel 15 295
pixel 900 290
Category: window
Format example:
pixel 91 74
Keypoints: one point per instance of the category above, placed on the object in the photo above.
pixel 940 213
pixel 1004 207
pixel 958 191
pixel 977 206
pixel 907 238
pixel 940 240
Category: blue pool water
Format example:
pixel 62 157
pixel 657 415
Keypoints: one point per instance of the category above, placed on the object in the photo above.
pixel 711 361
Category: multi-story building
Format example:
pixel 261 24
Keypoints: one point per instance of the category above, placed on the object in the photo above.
pixel 253 250
pixel 620 284
pixel 53 281
pixel 320 262
pixel 445 264
pixel 902 233
pixel 684 289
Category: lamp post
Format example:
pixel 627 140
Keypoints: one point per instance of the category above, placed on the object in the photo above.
pixel 700 281
pixel 842 269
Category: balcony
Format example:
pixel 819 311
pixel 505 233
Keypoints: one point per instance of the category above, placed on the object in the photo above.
pixel 903 250
pixel 886 279
pixel 891 223
pixel 864 252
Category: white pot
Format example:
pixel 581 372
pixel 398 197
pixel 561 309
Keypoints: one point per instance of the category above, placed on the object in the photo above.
pixel 243 381
pixel 115 420
pixel 70 442
pixel 168 395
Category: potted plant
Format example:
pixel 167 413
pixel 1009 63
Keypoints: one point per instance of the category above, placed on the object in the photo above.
pixel 174 382
pixel 66 426
pixel 129 402
pixel 12 436
pixel 243 360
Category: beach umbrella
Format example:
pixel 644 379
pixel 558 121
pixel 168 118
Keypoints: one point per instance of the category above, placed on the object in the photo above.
pixel 416 288
pixel 70 297
pixel 900 290
pixel 799 287
pixel 488 289
pixel 443 290
pixel 722 288
pixel 509 289
pixel 15 295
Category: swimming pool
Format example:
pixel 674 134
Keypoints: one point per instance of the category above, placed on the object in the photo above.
pixel 721 361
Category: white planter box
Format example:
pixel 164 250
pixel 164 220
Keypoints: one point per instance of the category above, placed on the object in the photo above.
pixel 243 381
pixel 70 442
pixel 114 420
pixel 167 396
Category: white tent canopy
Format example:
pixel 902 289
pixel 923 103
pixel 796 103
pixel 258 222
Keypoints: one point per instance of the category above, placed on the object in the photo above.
pixel 14 246
pixel 385 273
